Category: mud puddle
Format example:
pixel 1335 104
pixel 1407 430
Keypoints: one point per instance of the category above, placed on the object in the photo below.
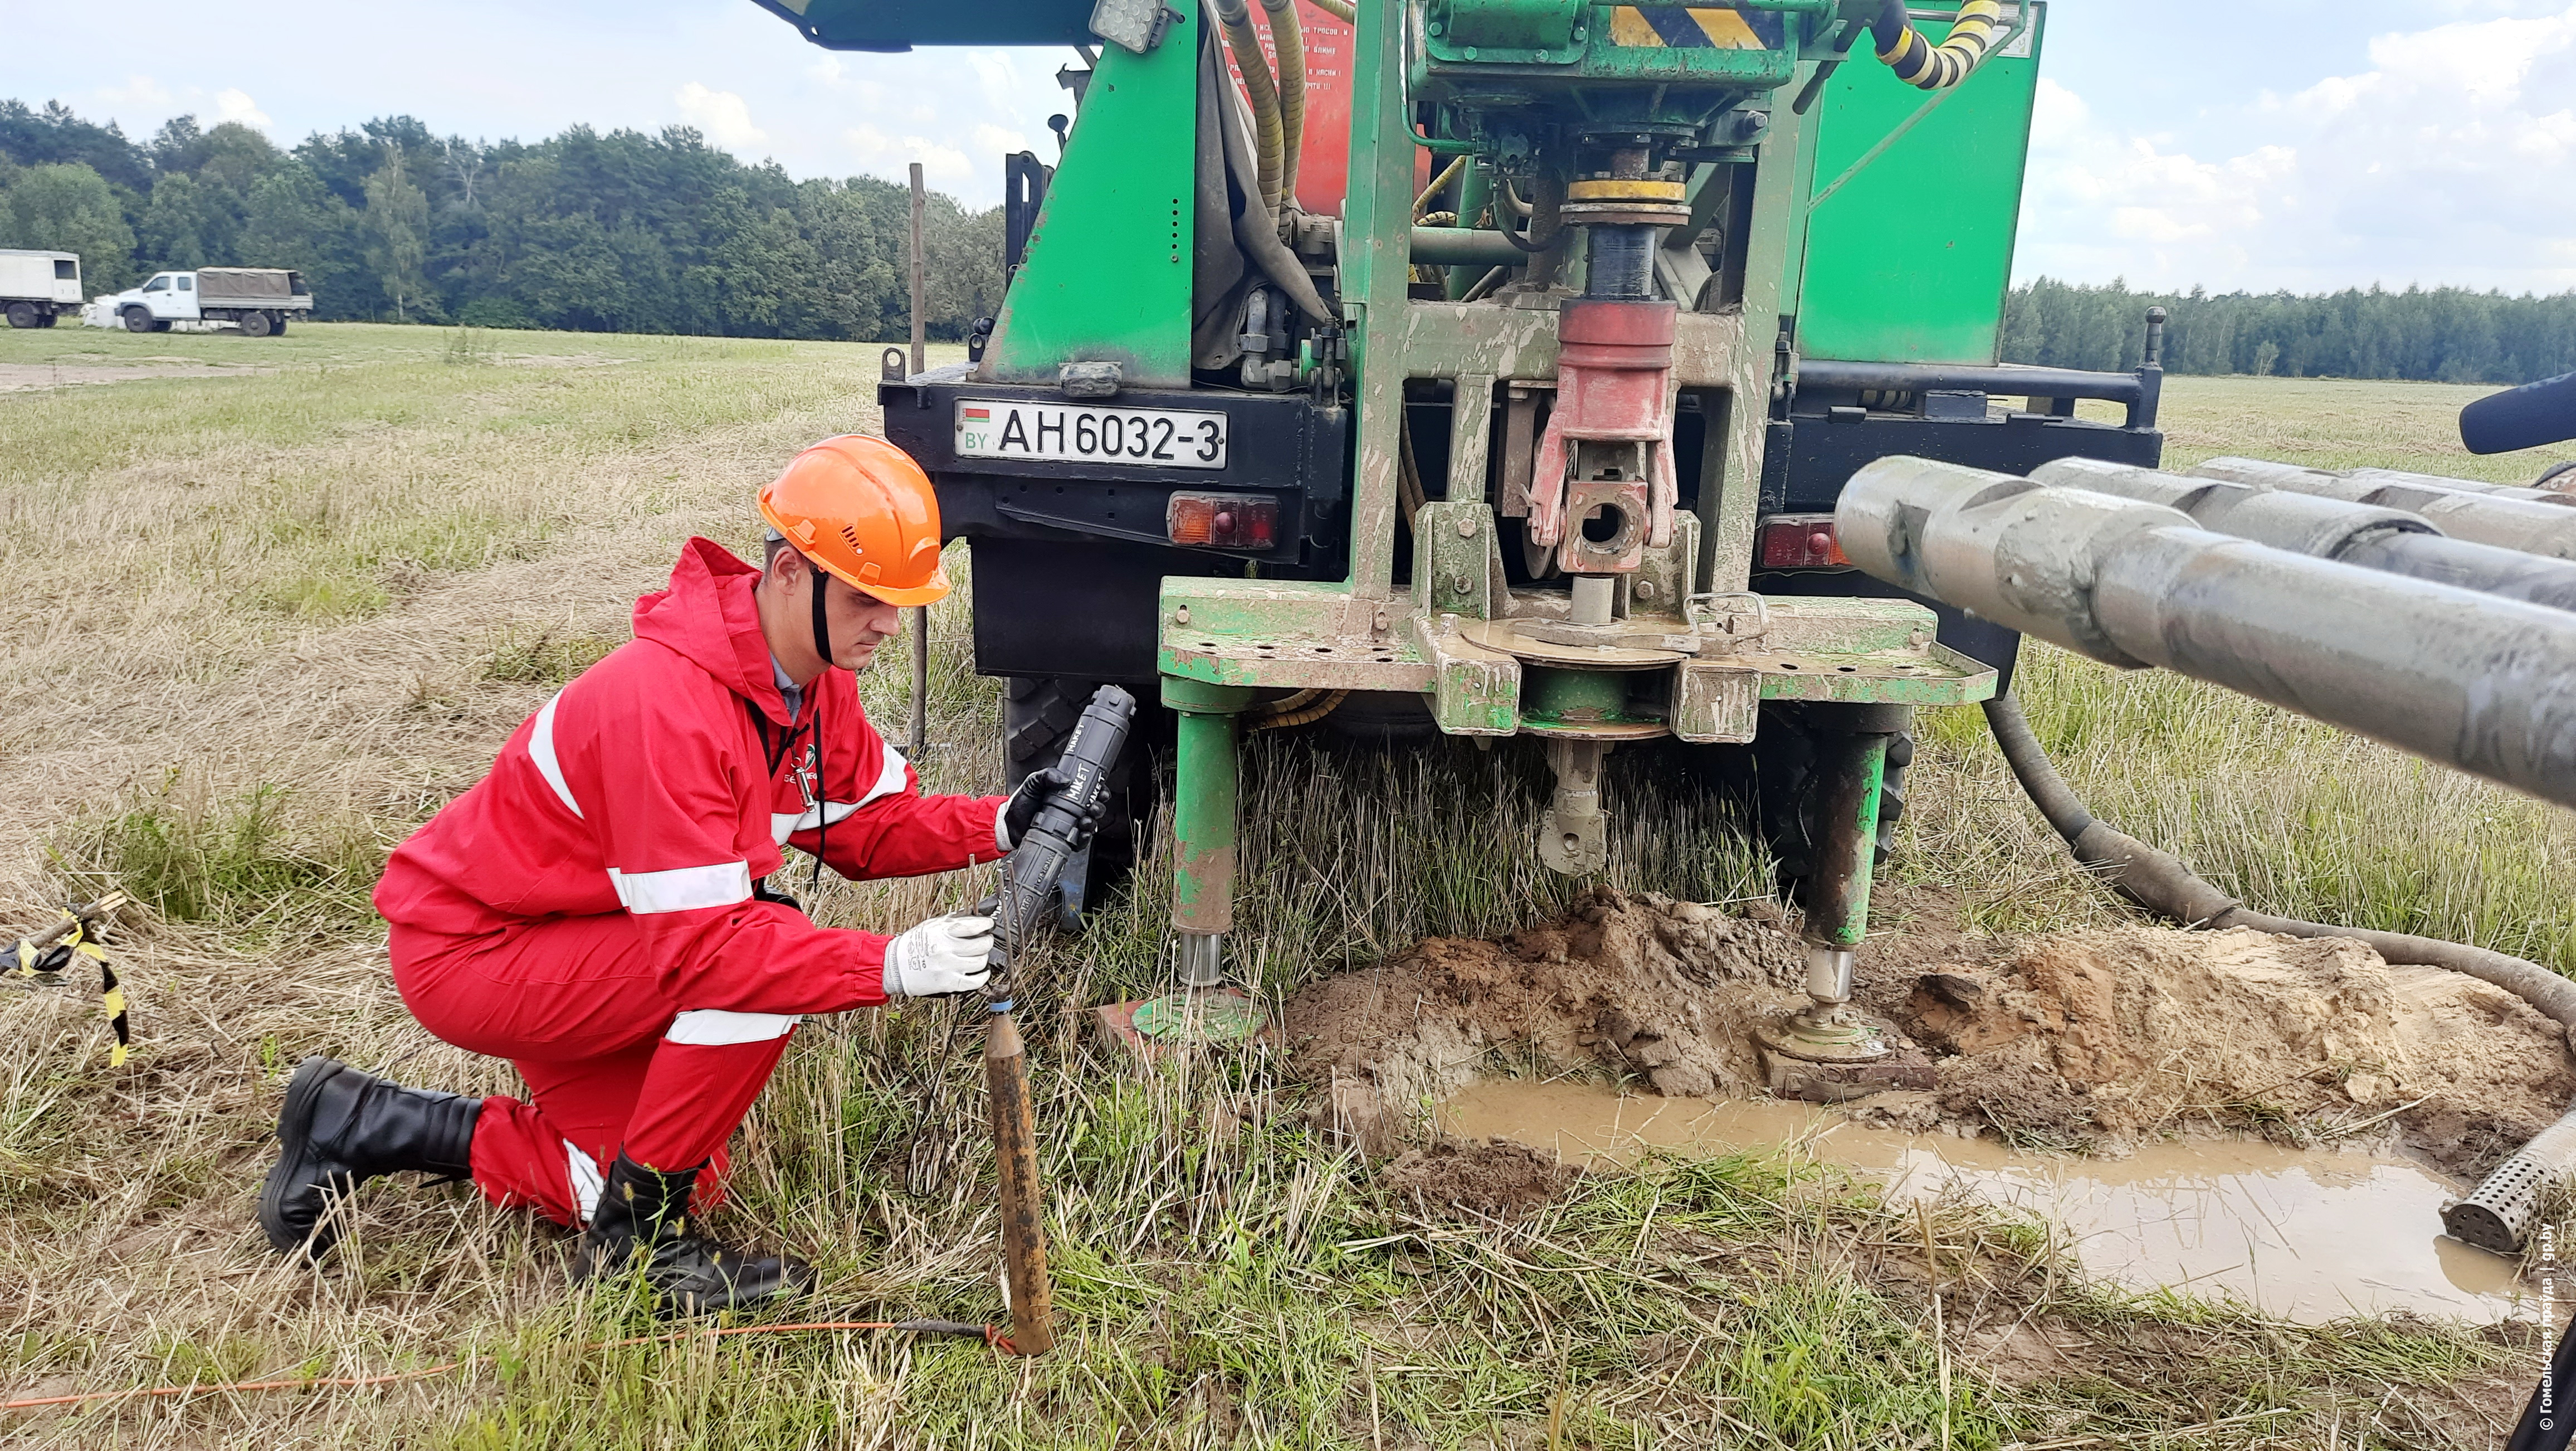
pixel 2098 1040
pixel 2306 1235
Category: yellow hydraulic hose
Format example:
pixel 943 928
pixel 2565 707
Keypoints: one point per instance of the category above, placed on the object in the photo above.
pixel 1236 19
pixel 1294 710
pixel 1290 42
pixel 1438 184
pixel 1918 62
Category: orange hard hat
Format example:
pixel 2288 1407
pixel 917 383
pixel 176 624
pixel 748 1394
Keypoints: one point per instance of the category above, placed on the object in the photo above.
pixel 863 510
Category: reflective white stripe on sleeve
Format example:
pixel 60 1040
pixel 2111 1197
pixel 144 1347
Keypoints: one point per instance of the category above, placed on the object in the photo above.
pixel 683 889
pixel 1002 828
pixel 889 776
pixel 586 1182
pixel 541 749
pixel 712 1026
pixel 784 824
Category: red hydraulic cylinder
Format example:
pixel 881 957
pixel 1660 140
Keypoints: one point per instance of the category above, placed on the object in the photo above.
pixel 1606 457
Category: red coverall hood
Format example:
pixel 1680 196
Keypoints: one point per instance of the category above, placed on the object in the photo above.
pixel 708 614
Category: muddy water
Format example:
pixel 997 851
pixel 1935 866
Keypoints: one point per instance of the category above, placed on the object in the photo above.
pixel 2302 1234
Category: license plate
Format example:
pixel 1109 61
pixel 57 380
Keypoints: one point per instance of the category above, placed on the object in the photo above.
pixel 1076 433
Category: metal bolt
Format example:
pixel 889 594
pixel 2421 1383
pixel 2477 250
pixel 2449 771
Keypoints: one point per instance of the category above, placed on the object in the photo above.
pixel 1459 582
pixel 1181 616
pixel 1466 526
pixel 1645 590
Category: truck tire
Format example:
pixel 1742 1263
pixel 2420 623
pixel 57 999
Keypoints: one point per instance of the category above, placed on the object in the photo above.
pixel 255 324
pixel 138 320
pixel 1037 718
pixel 23 314
pixel 277 324
pixel 49 319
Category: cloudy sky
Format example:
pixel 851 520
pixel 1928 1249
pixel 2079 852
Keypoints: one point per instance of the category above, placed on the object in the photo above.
pixel 2273 143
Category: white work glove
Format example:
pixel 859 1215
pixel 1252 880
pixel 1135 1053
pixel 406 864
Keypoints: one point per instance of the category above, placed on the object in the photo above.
pixel 944 955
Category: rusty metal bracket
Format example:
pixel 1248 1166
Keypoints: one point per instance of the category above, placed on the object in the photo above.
pixel 1716 702
pixel 1474 691
pixel 1457 560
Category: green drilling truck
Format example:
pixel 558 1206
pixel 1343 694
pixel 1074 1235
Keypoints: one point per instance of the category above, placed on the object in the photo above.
pixel 1492 368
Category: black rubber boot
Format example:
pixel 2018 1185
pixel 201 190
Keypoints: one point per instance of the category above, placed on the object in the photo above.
pixel 340 1128
pixel 642 1222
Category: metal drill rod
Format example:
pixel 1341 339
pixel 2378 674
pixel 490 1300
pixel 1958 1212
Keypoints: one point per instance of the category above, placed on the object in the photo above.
pixel 2496 514
pixel 2389 540
pixel 2487 685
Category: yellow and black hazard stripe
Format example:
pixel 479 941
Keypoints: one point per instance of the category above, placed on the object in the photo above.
pixel 1918 62
pixel 1695 27
pixel 70 941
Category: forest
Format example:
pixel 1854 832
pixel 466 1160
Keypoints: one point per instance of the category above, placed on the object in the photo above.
pixel 2440 334
pixel 597 232
pixel 665 234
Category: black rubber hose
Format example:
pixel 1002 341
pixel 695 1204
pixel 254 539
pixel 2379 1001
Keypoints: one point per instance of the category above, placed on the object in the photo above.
pixel 2161 883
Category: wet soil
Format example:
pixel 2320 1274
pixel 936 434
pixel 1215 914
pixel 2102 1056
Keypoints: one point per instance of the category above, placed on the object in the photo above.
pixel 2093 1041
pixel 1495 1179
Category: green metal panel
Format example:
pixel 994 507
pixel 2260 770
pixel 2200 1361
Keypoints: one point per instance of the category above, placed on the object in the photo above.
pixel 1107 273
pixel 1910 233
pixel 903 24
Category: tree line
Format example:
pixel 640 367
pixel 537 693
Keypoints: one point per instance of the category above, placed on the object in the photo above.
pixel 587 231
pixel 2442 334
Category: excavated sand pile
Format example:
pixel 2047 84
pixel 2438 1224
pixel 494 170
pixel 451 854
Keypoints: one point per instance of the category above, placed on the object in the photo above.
pixel 1663 989
pixel 2084 1039
pixel 2087 1036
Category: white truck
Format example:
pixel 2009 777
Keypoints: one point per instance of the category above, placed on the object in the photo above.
pixel 258 299
pixel 37 287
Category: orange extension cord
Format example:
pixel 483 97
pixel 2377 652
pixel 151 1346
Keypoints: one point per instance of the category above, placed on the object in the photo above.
pixel 993 1337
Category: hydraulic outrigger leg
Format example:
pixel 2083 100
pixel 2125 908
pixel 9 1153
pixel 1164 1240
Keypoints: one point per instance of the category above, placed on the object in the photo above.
pixel 1203 825
pixel 1830 1050
pixel 1204 795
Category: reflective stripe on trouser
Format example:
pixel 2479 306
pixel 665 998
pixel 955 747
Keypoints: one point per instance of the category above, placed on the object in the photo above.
pixel 571 1005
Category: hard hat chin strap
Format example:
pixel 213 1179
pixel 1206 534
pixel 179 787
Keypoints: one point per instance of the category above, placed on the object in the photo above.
pixel 822 627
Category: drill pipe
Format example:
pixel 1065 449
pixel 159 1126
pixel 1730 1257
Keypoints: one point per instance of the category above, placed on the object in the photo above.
pixel 2389 540
pixel 2497 514
pixel 2483 684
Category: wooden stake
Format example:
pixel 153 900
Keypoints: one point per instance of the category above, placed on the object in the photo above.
pixel 920 282
pixel 1015 1150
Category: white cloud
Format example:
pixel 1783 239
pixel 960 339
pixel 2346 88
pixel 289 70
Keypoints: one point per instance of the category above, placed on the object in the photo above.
pixel 234 105
pixel 141 92
pixel 2451 160
pixel 942 166
pixel 992 140
pixel 721 115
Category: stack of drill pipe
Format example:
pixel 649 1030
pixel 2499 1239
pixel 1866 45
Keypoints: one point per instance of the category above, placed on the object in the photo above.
pixel 2393 541
pixel 2535 521
pixel 2471 680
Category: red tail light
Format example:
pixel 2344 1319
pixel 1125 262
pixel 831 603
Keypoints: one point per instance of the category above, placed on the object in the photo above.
pixel 1223 521
pixel 1801 541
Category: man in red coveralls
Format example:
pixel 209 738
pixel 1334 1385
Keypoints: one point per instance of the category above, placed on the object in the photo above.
pixel 595 910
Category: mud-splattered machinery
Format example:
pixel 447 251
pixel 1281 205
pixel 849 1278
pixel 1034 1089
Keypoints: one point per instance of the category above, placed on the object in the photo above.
pixel 1491 368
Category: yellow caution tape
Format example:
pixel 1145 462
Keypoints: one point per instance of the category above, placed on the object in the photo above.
pixel 111 994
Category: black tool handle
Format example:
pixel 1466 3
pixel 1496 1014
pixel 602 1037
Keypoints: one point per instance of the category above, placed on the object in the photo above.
pixel 1037 863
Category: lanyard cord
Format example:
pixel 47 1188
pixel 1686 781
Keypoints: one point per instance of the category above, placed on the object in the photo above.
pixel 775 753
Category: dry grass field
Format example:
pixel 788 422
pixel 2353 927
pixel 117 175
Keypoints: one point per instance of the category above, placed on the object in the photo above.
pixel 271 602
